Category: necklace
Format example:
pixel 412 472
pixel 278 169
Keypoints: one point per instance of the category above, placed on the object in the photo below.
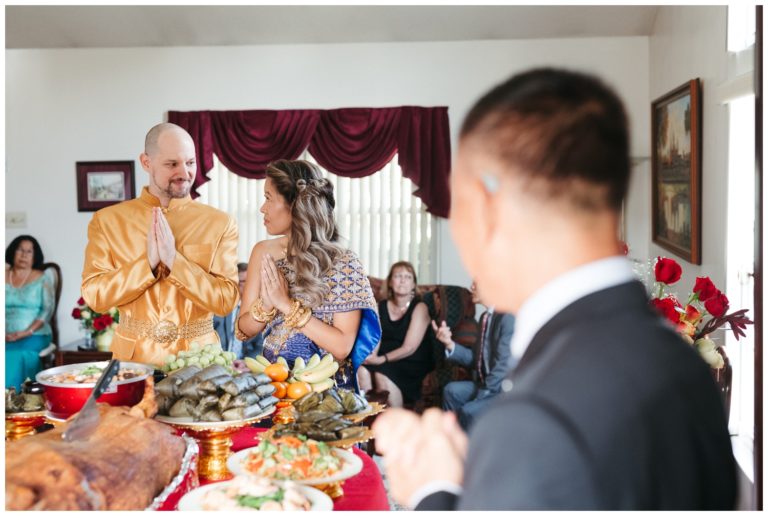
pixel 403 308
pixel 10 278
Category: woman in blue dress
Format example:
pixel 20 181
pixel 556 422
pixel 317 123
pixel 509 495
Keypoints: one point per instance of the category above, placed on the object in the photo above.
pixel 29 304
pixel 306 293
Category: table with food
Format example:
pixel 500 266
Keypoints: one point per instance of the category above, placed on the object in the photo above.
pixel 203 432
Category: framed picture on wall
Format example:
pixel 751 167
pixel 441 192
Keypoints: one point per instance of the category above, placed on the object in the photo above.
pixel 103 183
pixel 676 166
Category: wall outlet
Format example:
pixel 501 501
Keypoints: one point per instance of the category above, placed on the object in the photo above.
pixel 15 219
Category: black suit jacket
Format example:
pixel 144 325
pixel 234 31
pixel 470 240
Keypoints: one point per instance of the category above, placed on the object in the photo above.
pixel 609 409
pixel 497 354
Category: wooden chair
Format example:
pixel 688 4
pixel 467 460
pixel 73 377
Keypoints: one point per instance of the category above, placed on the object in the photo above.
pixel 47 355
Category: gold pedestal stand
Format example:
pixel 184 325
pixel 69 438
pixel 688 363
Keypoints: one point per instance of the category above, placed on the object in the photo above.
pixel 333 489
pixel 285 413
pixel 22 424
pixel 215 446
pixel 215 441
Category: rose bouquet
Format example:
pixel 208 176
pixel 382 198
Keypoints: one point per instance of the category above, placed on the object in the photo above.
pixel 690 319
pixel 94 321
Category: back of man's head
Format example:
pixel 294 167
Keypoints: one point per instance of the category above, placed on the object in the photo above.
pixel 563 133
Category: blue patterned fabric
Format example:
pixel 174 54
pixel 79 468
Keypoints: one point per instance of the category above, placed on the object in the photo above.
pixel 349 290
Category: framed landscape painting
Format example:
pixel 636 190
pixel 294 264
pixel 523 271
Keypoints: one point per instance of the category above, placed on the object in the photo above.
pixel 676 166
pixel 103 183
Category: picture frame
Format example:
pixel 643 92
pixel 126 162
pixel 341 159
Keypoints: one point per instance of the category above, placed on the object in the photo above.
pixel 676 171
pixel 104 183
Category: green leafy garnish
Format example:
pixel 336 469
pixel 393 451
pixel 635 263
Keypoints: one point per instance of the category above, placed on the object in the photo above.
pixel 255 502
pixel 90 370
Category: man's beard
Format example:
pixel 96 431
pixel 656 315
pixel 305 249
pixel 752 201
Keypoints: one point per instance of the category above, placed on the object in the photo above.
pixel 176 192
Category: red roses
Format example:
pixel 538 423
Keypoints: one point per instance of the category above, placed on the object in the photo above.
pixel 668 271
pixel 102 322
pixel 689 318
pixel 668 308
pixel 94 321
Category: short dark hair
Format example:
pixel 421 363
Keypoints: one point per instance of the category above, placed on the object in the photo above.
pixel 242 267
pixel 37 254
pixel 566 128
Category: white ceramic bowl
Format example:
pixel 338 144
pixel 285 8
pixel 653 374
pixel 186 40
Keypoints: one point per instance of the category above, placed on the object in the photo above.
pixel 192 500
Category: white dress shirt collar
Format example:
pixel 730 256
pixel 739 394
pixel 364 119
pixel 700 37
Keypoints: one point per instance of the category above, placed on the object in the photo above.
pixel 560 292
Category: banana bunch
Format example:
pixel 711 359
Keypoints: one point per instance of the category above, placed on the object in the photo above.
pixel 317 372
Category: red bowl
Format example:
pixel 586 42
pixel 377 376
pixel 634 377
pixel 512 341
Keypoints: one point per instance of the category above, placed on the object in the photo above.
pixel 64 399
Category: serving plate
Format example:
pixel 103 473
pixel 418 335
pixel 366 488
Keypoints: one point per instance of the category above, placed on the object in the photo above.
pixel 374 407
pixel 192 500
pixel 188 423
pixel 339 443
pixel 351 465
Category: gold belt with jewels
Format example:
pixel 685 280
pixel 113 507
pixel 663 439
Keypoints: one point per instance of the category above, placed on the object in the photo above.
pixel 165 331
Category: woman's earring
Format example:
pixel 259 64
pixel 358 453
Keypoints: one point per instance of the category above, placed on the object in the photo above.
pixel 491 182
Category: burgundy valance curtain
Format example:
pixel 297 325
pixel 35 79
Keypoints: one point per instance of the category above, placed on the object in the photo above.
pixel 350 142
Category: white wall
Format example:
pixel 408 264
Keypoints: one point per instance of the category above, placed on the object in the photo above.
pixel 64 106
pixel 689 42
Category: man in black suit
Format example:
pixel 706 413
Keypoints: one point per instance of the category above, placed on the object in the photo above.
pixel 489 360
pixel 607 408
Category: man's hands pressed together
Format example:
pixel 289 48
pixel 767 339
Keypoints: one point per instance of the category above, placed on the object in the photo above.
pixel 161 245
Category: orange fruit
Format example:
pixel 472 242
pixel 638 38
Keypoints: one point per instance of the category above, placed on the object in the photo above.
pixel 277 372
pixel 280 389
pixel 298 389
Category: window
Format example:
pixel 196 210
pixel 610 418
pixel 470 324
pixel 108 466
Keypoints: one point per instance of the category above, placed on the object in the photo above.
pixel 378 216
pixel 739 279
pixel 741 27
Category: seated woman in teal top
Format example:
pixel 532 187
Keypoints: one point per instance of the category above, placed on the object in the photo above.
pixel 29 304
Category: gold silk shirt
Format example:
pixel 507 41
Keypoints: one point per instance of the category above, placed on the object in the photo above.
pixel 203 279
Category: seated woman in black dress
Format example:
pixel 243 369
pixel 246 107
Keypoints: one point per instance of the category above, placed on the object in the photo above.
pixel 403 357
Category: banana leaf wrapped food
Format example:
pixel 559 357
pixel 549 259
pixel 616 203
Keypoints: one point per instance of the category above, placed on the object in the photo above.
pixel 207 394
pixel 240 383
pixel 238 413
pixel 211 385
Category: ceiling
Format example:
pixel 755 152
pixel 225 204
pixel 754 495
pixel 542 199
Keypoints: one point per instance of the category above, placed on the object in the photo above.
pixel 153 26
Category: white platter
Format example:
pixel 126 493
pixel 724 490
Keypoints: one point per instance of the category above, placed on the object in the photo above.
pixel 192 500
pixel 351 465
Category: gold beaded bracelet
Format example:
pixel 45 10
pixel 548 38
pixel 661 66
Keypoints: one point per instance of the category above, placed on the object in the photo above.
pixel 258 313
pixel 239 334
pixel 292 314
pixel 304 318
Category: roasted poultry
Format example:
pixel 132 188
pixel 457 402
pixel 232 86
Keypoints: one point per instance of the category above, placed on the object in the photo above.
pixel 123 465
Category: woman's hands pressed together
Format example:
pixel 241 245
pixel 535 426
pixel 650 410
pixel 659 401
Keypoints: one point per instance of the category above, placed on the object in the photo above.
pixel 274 286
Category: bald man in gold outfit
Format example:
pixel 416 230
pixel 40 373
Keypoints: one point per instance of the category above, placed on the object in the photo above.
pixel 168 263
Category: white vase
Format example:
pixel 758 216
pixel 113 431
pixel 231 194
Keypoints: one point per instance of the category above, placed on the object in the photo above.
pixel 104 340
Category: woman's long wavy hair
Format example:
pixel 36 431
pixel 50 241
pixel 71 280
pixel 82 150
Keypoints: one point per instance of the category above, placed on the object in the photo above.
pixel 312 246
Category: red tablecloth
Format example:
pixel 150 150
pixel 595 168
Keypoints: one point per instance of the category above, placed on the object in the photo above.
pixel 363 492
